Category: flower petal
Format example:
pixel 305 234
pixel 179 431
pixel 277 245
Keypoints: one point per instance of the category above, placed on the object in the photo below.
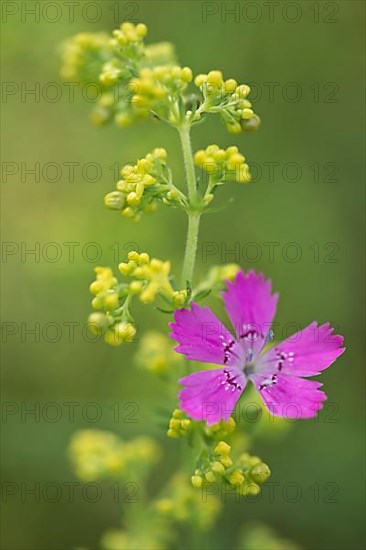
pixel 251 307
pixel 306 353
pixel 290 396
pixel 202 337
pixel 211 395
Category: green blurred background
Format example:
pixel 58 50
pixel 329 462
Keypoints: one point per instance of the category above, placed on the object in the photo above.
pixel 324 58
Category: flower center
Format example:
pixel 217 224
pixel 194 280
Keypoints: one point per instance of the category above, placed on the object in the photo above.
pixel 248 369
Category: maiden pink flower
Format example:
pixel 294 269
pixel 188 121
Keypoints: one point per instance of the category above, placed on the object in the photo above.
pixel 278 374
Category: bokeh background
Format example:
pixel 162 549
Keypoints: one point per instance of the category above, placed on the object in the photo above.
pixel 321 52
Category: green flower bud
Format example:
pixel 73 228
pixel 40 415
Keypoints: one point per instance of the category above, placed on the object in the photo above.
pixel 251 124
pixel 115 200
pixel 260 473
pixel 97 322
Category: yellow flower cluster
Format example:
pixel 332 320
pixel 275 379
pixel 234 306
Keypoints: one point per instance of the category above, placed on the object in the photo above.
pixel 119 333
pixel 221 429
pixel 247 474
pixel 183 504
pixel 156 353
pixel 107 297
pixel 142 186
pixel 128 34
pixel 127 44
pixel 152 277
pixel 213 83
pixel 229 99
pixel 153 85
pixel 104 289
pixel 97 454
pixel 83 56
pixel 178 425
pixel 223 165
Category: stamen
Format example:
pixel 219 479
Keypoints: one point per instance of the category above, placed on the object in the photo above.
pixel 231 380
pixel 272 381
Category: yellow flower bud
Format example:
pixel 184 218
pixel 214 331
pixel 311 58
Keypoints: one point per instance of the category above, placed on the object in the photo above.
pixel 236 158
pixel 234 128
pixel 200 157
pixel 236 478
pixel 231 150
pixel 243 90
pixel 144 258
pixel 133 256
pixel 200 79
pixel 186 74
pixel 160 153
pixel 111 301
pixel 148 180
pixel 124 268
pixel 218 468
pixel 147 296
pixel 210 476
pixel 111 338
pixel 97 322
pixel 250 489
pixel 226 461
pixel 179 297
pixel 219 156
pixel 133 199
pixel 128 212
pixel 197 481
pixel 143 165
pixel 135 287
pixel 174 423
pixel 230 86
pixel 247 114
pixel 156 265
pixel 214 77
pixel 141 30
pixel 96 287
pixel 97 302
pixel 125 331
pixel 222 448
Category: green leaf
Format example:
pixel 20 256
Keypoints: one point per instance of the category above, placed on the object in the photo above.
pixel 202 294
pixel 169 311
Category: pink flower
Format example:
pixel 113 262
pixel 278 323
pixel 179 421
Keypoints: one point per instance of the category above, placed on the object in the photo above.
pixel 278 374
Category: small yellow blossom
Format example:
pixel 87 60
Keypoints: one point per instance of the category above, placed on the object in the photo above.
pixel 223 165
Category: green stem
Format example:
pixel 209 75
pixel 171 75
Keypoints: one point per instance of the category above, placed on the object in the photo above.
pixel 185 139
pixel 193 215
pixel 191 247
